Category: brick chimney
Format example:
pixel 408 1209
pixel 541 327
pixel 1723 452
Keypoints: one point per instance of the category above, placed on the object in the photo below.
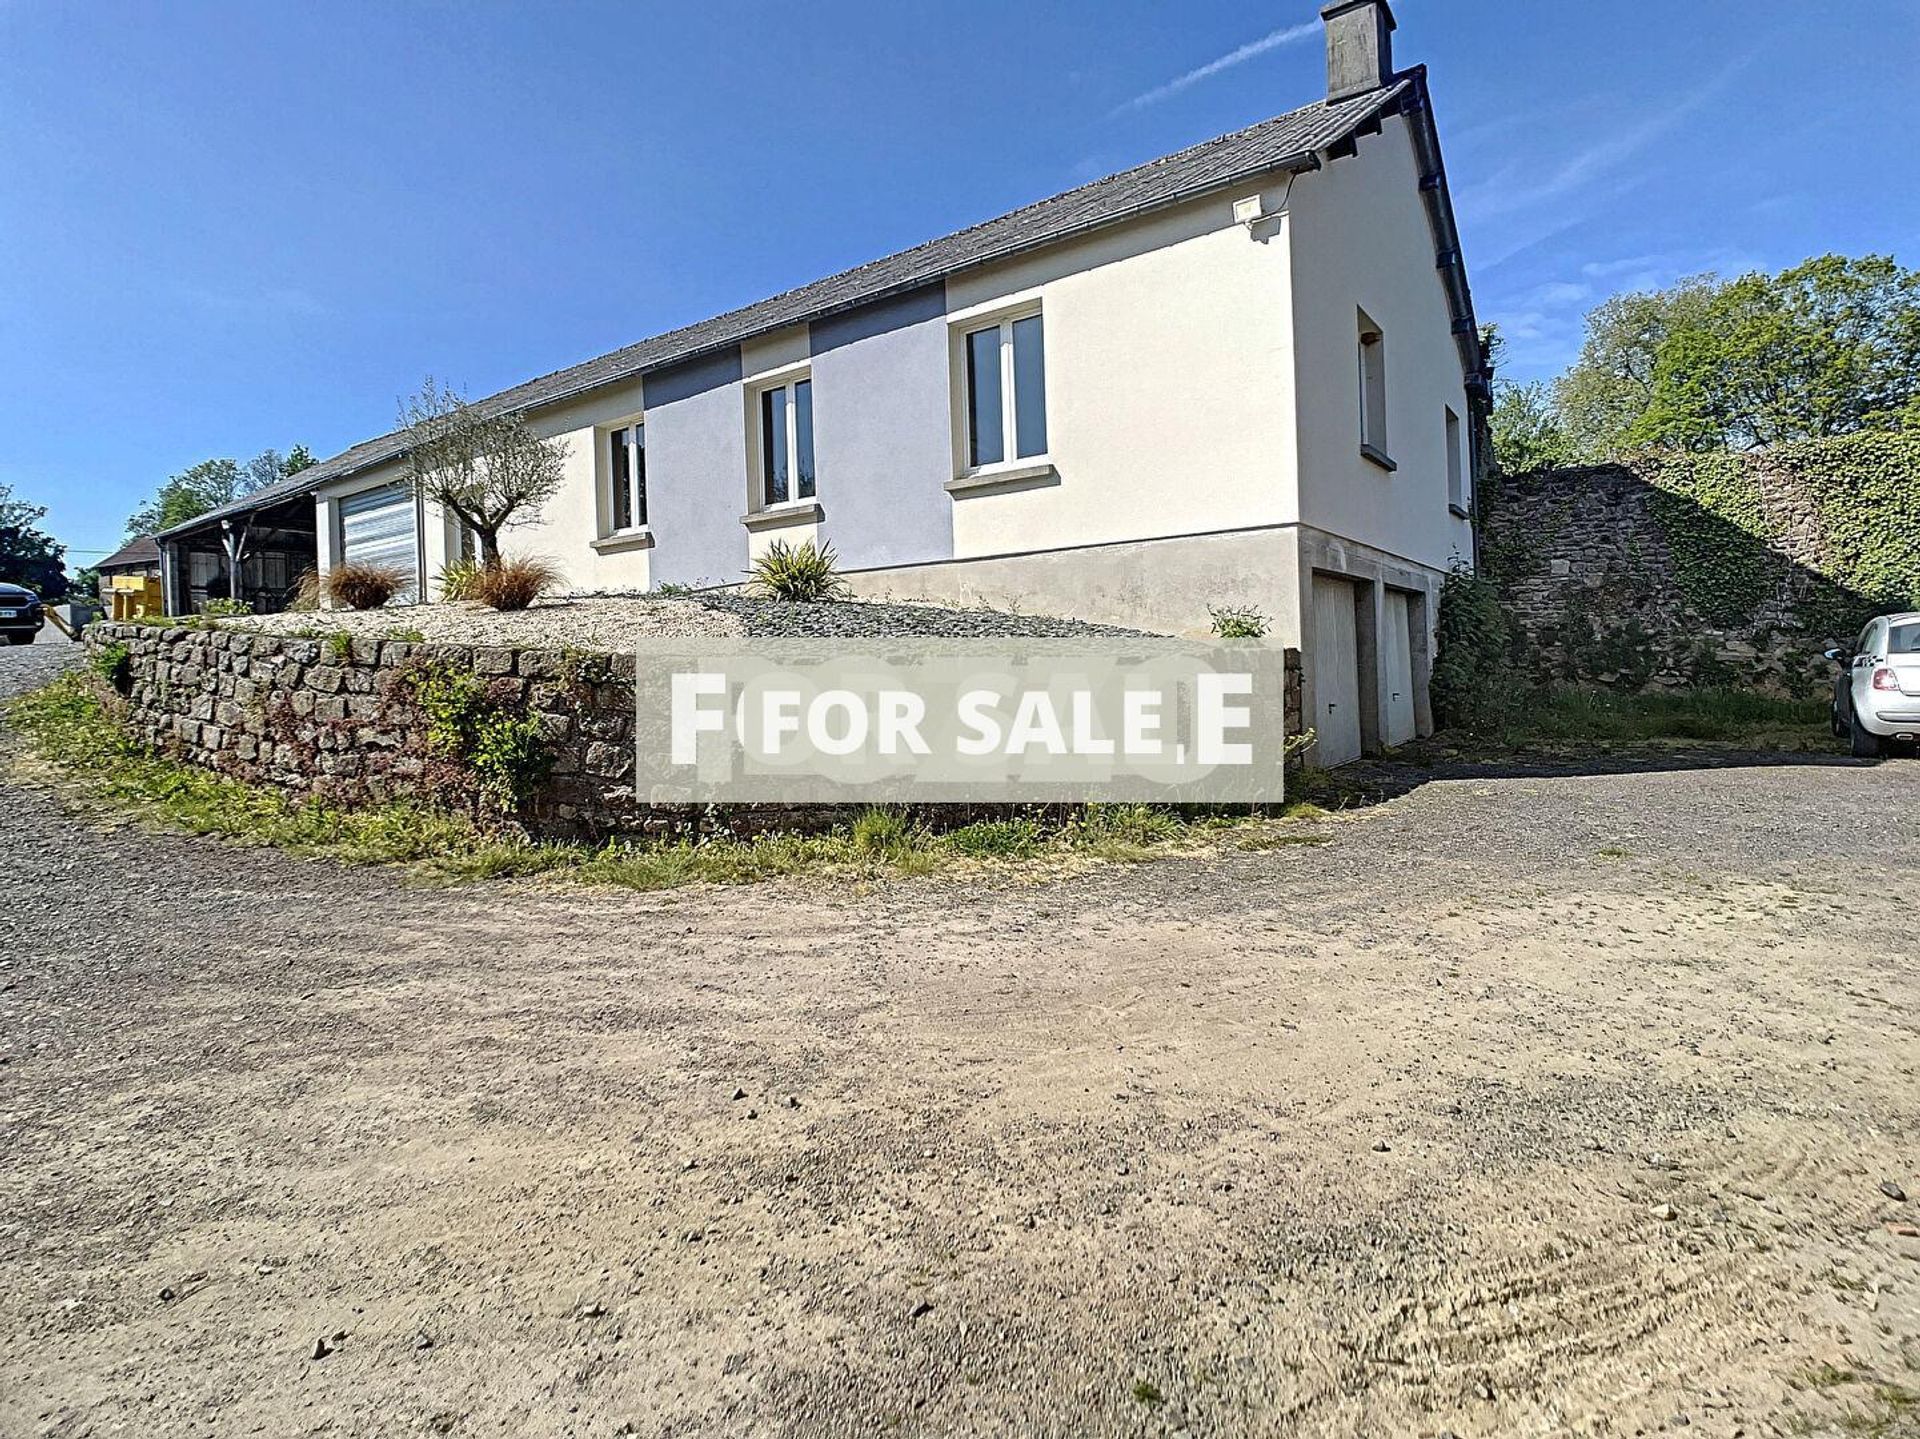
pixel 1359 46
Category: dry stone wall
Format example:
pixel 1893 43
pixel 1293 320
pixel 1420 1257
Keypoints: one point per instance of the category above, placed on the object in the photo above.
pixel 1608 578
pixel 337 721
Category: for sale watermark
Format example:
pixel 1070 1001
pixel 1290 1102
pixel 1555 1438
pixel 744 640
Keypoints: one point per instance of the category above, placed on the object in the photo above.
pixel 1100 718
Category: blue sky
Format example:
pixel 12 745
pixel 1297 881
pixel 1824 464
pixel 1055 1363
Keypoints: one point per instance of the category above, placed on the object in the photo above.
pixel 225 227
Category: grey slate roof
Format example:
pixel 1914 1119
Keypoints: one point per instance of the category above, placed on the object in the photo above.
pixel 1287 140
pixel 134 553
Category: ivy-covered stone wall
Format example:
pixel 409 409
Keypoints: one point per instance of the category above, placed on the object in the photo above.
pixel 1682 571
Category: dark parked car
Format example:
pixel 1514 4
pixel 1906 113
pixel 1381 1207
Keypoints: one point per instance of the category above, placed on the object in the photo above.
pixel 22 616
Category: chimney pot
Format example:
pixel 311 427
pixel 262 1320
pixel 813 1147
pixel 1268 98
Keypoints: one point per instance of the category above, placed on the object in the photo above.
pixel 1359 46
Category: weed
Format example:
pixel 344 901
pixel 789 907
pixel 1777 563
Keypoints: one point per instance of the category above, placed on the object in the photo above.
pixel 220 607
pixel 1146 1392
pixel 340 647
pixel 114 664
pixel 1613 851
pixel 506 752
pixel 1238 622
pixel 1018 838
pixel 407 636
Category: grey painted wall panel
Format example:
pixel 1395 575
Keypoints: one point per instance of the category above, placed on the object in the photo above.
pixel 929 302
pixel 881 425
pixel 697 484
pixel 695 377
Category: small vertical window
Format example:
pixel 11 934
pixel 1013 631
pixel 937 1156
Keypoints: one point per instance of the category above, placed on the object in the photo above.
pixel 1029 388
pixel 1373 391
pixel 785 443
pixel 1006 391
pixel 803 438
pixel 986 427
pixel 1456 462
pixel 627 478
pixel 773 445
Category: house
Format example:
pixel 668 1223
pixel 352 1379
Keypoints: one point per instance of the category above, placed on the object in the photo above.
pixel 1247 373
pixel 130 579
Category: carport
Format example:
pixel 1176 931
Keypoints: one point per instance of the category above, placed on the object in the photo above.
pixel 275 546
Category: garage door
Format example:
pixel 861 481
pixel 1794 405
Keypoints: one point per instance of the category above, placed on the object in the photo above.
pixel 1397 653
pixel 1336 672
pixel 378 528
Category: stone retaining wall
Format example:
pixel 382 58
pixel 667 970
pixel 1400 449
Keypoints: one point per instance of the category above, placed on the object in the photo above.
pixel 334 719
pixel 1588 572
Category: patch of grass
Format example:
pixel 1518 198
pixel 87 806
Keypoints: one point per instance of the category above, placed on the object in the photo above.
pixel 1613 851
pixel 340 647
pixel 1567 717
pixel 1146 1392
pixel 70 724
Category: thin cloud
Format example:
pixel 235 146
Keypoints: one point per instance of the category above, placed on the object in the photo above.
pixel 1513 190
pixel 1249 51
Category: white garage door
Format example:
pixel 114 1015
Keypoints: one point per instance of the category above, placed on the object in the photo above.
pixel 378 528
pixel 1336 672
pixel 1397 646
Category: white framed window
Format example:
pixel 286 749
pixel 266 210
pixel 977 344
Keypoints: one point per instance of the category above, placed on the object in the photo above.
pixel 626 478
pixel 1456 462
pixel 780 448
pixel 1373 392
pixel 1004 390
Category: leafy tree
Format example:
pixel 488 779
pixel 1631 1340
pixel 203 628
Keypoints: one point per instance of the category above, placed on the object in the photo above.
pixel 488 470
pixel 1527 433
pixel 28 555
pixel 210 484
pixel 1603 401
pixel 1830 347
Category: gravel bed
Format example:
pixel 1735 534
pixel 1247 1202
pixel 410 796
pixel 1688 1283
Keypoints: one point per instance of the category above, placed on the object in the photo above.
pixel 613 623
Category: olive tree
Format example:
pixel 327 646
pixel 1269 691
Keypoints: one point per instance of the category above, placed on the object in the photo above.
pixel 489 470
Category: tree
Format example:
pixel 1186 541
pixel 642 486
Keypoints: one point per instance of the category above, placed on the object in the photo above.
pixel 28 555
pixel 1527 433
pixel 487 470
pixel 211 484
pixel 1830 347
pixel 1603 402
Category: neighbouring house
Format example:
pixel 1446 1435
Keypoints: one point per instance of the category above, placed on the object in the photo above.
pixel 1245 374
pixel 130 580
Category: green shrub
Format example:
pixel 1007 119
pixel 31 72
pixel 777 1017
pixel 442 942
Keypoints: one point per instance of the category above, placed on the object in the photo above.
pixel 506 753
pixel 1017 838
pixel 1472 673
pixel 1238 622
pixel 222 608
pixel 457 579
pixel 801 574
pixel 114 664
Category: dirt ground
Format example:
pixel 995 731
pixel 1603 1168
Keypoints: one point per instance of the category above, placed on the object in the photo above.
pixel 1527 1103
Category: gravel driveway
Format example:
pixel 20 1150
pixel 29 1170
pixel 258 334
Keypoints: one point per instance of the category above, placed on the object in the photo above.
pixel 1524 1104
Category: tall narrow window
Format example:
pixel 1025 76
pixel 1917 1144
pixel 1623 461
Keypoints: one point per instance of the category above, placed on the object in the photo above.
pixel 1456 463
pixel 1373 392
pixel 786 443
pixel 1006 391
pixel 627 478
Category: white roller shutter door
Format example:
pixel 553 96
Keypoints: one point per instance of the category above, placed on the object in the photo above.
pixel 380 528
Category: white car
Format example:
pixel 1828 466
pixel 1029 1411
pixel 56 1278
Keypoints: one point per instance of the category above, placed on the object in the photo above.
pixel 1876 696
